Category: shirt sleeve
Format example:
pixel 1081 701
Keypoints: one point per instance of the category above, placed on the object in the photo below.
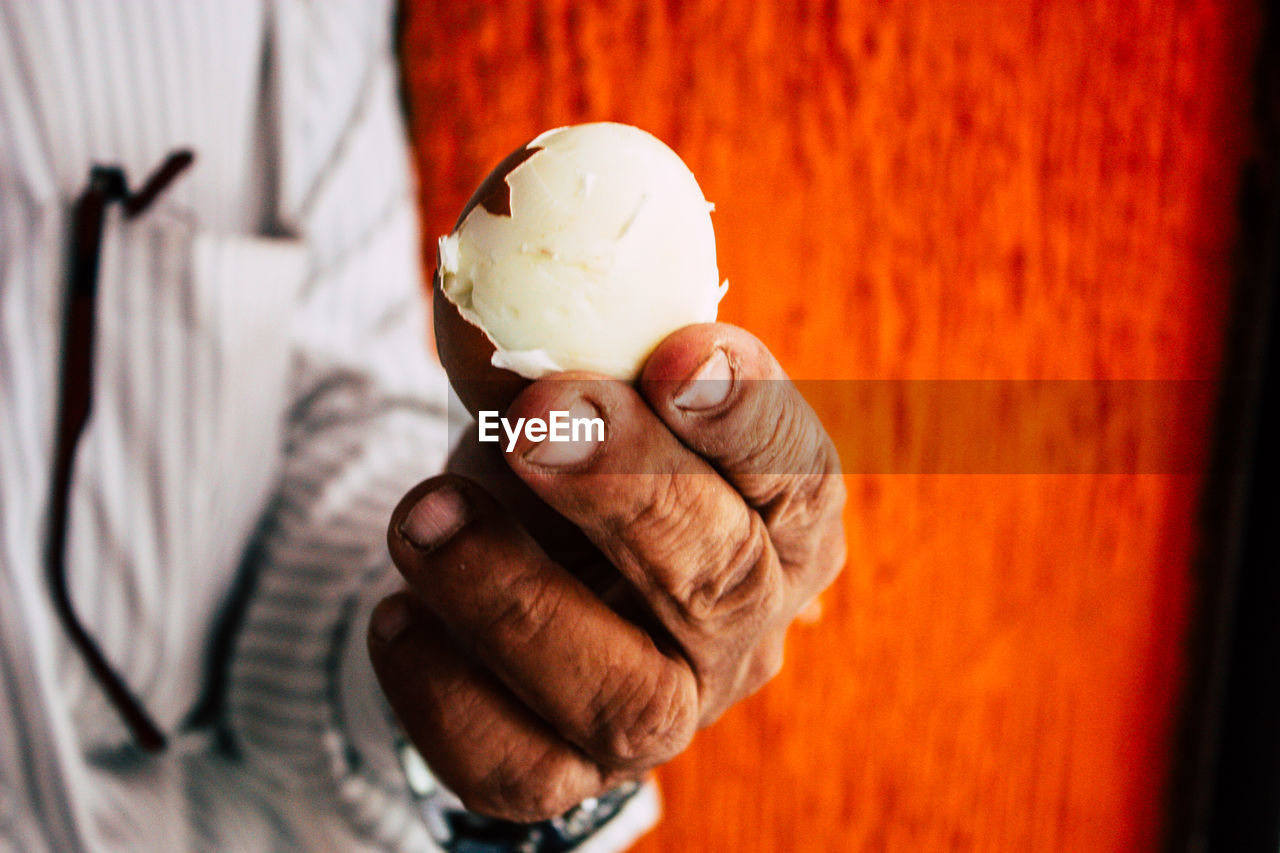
pixel 369 419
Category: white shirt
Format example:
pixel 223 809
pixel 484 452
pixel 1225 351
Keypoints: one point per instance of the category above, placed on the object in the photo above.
pixel 262 398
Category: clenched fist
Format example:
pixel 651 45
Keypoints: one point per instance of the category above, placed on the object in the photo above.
pixel 622 593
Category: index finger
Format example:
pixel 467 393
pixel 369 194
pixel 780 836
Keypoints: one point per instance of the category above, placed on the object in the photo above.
pixel 721 391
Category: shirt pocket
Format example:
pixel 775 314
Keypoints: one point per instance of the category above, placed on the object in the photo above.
pixel 193 354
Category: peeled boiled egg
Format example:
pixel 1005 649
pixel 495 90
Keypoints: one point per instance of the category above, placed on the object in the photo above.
pixel 581 250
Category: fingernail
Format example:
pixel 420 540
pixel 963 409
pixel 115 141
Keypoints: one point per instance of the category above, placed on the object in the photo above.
pixel 434 518
pixel 390 618
pixel 563 454
pixel 709 386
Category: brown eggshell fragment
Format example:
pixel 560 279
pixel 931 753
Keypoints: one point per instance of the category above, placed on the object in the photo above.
pixel 494 194
pixel 466 353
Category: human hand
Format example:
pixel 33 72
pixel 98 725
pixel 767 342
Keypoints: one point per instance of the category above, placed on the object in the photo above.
pixel 530 683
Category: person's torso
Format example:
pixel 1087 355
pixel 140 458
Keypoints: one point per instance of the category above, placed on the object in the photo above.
pixel 191 353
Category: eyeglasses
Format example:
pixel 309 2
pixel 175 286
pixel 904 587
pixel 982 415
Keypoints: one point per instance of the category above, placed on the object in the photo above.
pixel 106 184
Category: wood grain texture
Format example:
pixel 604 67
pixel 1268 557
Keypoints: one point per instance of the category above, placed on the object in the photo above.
pixel 925 190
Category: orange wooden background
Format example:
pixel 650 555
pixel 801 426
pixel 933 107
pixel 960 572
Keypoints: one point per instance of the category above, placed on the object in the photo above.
pixel 937 190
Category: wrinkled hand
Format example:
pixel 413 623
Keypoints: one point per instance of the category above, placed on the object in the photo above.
pixel 530 683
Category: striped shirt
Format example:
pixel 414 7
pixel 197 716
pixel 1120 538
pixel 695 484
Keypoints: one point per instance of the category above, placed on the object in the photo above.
pixel 262 398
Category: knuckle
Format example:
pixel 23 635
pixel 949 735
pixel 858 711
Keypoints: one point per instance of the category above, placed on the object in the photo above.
pixel 527 801
pixel 785 437
pixel 531 605
pixel 661 520
pixel 457 711
pixel 643 728
pixel 757 667
pixel 829 549
pixel 806 518
pixel 519 790
pixel 742 589
pixel 769 659
pixel 837 556
pixel 806 499
pixel 834 495
pixel 766 448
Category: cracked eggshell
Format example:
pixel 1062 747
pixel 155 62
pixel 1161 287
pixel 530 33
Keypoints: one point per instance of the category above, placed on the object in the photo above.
pixel 581 250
